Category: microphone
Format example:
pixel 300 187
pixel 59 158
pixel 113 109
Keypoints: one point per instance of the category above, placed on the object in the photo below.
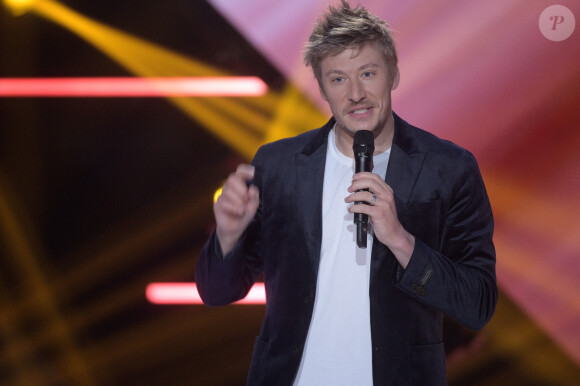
pixel 363 147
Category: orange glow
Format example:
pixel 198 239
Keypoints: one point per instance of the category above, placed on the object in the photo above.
pixel 132 87
pixel 19 7
pixel 186 293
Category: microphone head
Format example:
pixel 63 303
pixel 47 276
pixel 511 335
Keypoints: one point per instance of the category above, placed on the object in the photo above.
pixel 364 143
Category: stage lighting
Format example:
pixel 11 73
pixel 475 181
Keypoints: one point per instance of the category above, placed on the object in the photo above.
pixel 186 293
pixel 133 87
pixel 19 7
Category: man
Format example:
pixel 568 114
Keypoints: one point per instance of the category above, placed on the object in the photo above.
pixel 337 314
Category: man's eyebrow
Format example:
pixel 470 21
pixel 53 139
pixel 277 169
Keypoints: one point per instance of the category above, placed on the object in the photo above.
pixel 363 67
pixel 368 65
pixel 334 72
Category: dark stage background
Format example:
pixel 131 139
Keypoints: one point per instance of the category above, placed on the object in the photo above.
pixel 101 196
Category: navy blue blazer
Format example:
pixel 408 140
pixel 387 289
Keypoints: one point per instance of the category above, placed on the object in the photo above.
pixel 441 200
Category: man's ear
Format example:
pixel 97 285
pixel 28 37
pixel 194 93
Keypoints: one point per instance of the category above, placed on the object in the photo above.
pixel 396 79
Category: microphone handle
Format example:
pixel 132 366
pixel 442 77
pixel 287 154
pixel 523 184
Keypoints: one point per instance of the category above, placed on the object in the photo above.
pixel 362 164
pixel 362 229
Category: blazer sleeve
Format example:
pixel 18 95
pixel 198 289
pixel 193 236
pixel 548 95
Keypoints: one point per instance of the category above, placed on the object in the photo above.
pixel 226 279
pixel 458 278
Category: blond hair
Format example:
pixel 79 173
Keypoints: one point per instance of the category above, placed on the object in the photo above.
pixel 345 27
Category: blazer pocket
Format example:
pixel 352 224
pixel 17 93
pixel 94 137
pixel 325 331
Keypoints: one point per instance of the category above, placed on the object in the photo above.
pixel 422 220
pixel 428 365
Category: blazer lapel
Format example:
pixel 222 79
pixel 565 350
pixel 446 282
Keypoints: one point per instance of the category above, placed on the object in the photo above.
pixel 310 164
pixel 405 164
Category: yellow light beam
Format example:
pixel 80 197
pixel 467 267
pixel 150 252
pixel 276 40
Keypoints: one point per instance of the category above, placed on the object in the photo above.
pixel 19 245
pixel 19 7
pixel 149 60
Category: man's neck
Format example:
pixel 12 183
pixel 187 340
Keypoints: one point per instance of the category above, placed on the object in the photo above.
pixel 383 141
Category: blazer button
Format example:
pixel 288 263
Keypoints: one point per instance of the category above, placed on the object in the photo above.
pixel 295 350
pixel 307 300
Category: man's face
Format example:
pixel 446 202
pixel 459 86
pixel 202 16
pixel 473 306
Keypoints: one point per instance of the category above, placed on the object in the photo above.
pixel 357 85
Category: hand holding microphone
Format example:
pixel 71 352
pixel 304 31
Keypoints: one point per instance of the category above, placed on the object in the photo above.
pixel 378 201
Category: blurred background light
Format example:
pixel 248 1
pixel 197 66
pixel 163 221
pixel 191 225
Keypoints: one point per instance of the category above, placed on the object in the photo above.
pixel 133 87
pixel 19 7
pixel 186 293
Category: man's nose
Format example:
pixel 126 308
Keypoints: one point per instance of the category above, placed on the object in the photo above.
pixel 356 92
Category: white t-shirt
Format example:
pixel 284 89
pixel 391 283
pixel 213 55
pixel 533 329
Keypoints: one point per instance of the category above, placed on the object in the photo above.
pixel 338 347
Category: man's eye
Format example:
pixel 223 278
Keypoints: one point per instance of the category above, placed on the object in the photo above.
pixel 338 79
pixel 367 74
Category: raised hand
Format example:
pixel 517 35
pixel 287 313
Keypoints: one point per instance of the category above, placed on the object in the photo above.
pixel 235 207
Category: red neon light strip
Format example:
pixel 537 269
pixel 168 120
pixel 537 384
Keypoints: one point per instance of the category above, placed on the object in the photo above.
pixel 186 293
pixel 132 87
